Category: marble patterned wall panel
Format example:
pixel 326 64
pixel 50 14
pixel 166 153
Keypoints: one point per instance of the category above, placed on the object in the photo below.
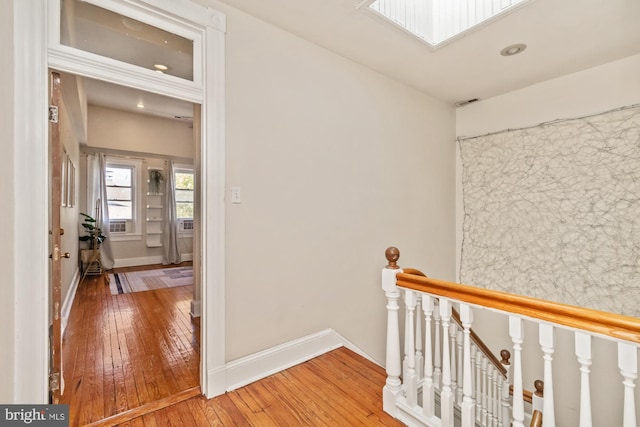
pixel 553 211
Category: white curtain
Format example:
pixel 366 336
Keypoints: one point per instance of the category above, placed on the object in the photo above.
pixel 170 233
pixel 97 204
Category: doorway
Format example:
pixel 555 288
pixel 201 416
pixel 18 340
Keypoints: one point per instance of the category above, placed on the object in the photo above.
pixel 39 50
pixel 122 351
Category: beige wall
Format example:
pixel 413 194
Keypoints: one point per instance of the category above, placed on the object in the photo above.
pixel 7 195
pixel 69 216
pixel 588 92
pixel 120 130
pixel 335 163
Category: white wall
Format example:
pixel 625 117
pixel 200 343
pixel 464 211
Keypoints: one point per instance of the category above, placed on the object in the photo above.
pixel 7 195
pixel 592 91
pixel 69 216
pixel 335 163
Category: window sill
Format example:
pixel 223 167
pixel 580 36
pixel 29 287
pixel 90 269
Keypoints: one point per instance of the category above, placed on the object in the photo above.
pixel 125 237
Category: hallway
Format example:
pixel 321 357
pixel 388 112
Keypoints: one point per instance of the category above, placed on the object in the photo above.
pixel 124 351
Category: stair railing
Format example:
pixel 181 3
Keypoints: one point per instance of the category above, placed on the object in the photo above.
pixel 467 384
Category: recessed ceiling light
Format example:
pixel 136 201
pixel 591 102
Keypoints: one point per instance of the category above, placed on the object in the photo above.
pixel 140 105
pixel 160 67
pixel 513 49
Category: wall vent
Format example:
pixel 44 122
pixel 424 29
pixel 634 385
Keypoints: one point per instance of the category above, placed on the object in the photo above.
pixel 468 101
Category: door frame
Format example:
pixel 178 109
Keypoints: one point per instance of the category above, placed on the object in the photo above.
pixel 33 56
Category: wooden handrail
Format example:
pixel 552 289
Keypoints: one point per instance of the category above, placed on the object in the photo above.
pixel 474 337
pixel 599 322
pixel 527 395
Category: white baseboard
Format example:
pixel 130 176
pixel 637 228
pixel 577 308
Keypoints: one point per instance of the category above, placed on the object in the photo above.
pixel 254 367
pixel 68 299
pixel 196 308
pixel 132 262
pixel 147 260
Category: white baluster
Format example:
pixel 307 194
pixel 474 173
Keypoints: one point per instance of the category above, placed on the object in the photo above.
pixel 453 329
pixel 505 397
pixel 410 380
pixel 499 401
pixel 405 359
pixel 474 352
pixel 393 385
pixel 459 390
pixel 428 389
pixel 490 395
pixel 494 396
pixel 516 331
pixel 628 365
pixel 437 358
pixel 479 403
pixel 547 344
pixel 419 356
pixel 468 404
pixel 485 392
pixel 446 395
pixel 583 353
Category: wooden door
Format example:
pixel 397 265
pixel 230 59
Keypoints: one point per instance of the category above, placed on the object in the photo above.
pixel 56 254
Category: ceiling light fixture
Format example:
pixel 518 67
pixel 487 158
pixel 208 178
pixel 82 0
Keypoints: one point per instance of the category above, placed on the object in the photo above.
pixel 160 67
pixel 140 105
pixel 513 49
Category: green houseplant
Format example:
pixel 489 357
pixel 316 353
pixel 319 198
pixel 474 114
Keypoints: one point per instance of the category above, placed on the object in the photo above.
pixel 94 234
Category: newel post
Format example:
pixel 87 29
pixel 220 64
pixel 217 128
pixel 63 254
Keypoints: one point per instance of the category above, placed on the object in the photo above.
pixel 393 386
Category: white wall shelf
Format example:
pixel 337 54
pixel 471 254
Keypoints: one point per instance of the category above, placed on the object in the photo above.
pixel 154 209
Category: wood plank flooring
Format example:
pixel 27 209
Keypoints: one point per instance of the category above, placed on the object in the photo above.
pixel 141 350
pixel 336 389
pixel 124 351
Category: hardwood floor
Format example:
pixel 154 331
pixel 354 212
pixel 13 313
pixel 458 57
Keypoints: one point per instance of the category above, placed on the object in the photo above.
pixel 335 389
pixel 141 350
pixel 124 351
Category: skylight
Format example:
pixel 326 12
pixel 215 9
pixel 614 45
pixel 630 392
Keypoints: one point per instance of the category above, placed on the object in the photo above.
pixel 438 21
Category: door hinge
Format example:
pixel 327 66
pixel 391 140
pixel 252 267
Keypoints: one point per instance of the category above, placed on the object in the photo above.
pixel 54 381
pixel 53 114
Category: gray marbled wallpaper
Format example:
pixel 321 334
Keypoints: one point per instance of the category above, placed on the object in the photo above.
pixel 553 211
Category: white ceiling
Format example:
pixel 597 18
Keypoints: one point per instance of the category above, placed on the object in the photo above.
pixel 127 99
pixel 562 37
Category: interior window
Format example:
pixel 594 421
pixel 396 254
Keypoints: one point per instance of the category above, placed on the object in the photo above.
pixel 184 189
pixel 100 31
pixel 121 179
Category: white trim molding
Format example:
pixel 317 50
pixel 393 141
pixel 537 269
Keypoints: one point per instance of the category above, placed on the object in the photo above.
pixel 69 298
pixel 254 367
pixel 196 308
pixel 36 48
pixel 31 204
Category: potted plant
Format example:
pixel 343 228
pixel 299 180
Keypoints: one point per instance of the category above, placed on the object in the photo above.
pixel 156 178
pixel 94 233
